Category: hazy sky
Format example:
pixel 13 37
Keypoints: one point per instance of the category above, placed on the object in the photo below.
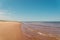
pixel 30 10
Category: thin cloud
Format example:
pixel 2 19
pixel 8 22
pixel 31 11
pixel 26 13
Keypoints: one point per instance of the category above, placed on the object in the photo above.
pixel 4 16
pixel 2 13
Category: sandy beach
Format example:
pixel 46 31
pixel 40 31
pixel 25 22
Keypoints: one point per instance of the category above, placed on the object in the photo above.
pixel 27 31
pixel 10 31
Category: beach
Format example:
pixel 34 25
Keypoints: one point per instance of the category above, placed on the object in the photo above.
pixel 10 31
pixel 29 31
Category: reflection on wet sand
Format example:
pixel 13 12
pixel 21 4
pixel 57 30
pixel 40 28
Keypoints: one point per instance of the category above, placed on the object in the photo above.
pixel 37 32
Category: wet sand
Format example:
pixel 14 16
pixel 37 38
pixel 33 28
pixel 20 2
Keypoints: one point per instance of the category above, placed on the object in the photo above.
pixel 10 31
pixel 35 31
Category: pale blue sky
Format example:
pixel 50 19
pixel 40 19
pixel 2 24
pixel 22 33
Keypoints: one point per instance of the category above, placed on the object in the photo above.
pixel 30 10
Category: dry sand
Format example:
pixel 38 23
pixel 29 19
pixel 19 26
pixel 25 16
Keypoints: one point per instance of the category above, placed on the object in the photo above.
pixel 10 31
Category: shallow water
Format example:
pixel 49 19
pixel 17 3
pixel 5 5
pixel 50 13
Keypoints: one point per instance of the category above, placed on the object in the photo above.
pixel 41 31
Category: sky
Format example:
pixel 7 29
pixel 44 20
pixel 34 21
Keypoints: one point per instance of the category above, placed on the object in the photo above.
pixel 30 10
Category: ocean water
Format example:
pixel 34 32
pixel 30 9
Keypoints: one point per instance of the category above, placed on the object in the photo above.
pixel 41 30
